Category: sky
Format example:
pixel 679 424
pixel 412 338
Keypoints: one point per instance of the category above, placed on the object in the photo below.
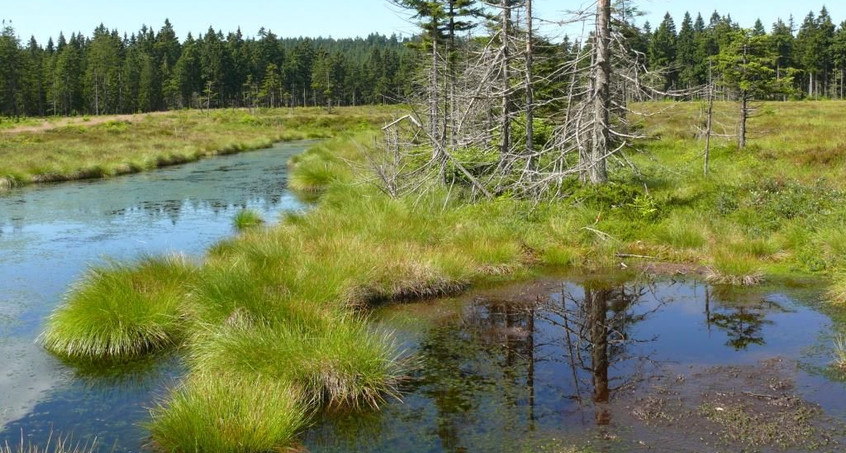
pixel 336 18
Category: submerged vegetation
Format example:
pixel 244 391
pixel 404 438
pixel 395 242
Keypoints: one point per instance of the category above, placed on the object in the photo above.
pixel 247 218
pixel 282 311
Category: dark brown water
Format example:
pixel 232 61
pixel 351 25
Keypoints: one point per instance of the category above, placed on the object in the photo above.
pixel 541 366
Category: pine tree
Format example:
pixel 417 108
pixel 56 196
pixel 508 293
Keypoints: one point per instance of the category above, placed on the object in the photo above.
pixel 758 29
pixel 102 66
pixel 838 54
pixel 747 69
pixel 271 87
pixel 10 72
pixel 663 51
pixel 825 28
pixel 33 89
pixel 686 53
pixel 810 48
pixel 782 41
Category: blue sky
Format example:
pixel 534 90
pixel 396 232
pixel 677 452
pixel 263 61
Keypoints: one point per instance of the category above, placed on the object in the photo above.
pixel 338 18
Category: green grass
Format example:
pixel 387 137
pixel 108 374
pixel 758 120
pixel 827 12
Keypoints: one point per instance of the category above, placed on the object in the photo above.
pixel 247 218
pixel 840 352
pixel 215 414
pixel 143 142
pixel 338 363
pixel 121 311
pixel 837 291
pixel 55 444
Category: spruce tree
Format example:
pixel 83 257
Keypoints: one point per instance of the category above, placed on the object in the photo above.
pixel 663 51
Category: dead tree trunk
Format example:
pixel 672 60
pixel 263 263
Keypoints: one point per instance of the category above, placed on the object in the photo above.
pixel 602 94
pixel 505 119
pixel 744 115
pixel 709 123
pixel 433 98
pixel 530 94
pixel 596 300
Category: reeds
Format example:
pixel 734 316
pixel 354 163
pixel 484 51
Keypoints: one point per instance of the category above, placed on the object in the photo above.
pixel 54 444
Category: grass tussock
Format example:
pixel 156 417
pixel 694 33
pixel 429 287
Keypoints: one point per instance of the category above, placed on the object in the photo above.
pixel 217 414
pixel 837 290
pixel 737 269
pixel 339 364
pixel 840 352
pixel 121 311
pixel 247 218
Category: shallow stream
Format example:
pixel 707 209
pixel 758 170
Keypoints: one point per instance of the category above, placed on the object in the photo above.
pixel 49 236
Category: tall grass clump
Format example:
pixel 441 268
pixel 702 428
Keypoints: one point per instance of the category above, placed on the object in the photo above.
pixel 121 311
pixel 737 269
pixel 228 414
pixel 325 164
pixel 341 363
pixel 840 352
pixel 247 218
pixel 837 290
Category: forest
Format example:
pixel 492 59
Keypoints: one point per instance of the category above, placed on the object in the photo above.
pixel 148 70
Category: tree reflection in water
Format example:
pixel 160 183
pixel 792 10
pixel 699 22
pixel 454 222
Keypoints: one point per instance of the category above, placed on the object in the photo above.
pixel 596 333
pixel 742 321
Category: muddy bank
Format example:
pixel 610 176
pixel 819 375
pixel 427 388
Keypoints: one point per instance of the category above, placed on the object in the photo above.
pixel 726 408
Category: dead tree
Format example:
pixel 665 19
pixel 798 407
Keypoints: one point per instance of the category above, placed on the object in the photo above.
pixel 583 108
pixel 601 94
pixel 530 88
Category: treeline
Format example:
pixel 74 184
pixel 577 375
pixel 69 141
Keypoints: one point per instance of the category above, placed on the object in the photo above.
pixel 148 70
pixel 815 49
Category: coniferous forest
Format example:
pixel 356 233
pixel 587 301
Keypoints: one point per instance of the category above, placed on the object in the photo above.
pixel 148 70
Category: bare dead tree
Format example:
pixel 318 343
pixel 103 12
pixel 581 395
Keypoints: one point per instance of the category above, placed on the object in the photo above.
pixel 601 94
pixel 493 98
pixel 530 88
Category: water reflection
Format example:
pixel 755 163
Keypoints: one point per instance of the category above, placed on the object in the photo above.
pixel 50 234
pixel 510 369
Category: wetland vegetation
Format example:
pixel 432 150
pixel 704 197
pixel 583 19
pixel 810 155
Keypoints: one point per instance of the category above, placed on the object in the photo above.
pixel 143 142
pixel 660 220
pixel 287 305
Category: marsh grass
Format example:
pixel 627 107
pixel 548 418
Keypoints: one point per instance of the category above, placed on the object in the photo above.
pixel 740 269
pixel 339 363
pixel 143 142
pixel 837 290
pixel 226 414
pixel 247 218
pixel 840 352
pixel 54 444
pixel 121 311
